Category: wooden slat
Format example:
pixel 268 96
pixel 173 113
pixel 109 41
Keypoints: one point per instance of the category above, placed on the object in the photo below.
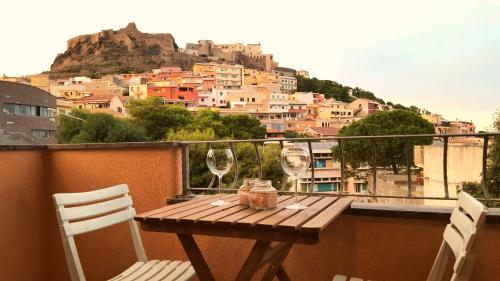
pixel 233 206
pixel 128 271
pixel 139 272
pixel 87 211
pixel 165 271
pixel 178 271
pixel 284 214
pixel 178 216
pixel 232 219
pixel 463 223
pixel 300 218
pixel 211 219
pixel 80 227
pixel 89 196
pixel 187 275
pixel 471 206
pixel 454 240
pixel 153 271
pixel 320 221
pixel 253 219
pixel 173 207
pixel 186 208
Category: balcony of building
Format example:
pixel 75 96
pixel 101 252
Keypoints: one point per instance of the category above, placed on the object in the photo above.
pixel 371 241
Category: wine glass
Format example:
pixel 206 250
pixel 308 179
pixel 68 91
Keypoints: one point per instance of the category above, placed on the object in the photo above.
pixel 295 161
pixel 219 162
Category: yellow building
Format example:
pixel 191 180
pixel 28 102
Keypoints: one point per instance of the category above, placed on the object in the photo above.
pixel 252 98
pixel 256 77
pixel 430 158
pixel 333 110
pixel 251 50
pixel 226 76
pixel 41 81
pixel 303 73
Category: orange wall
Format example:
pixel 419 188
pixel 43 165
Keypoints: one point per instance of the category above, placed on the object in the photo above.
pixel 23 237
pixel 152 175
pixel 368 247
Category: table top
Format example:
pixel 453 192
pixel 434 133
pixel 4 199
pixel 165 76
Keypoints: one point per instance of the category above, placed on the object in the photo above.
pixel 199 217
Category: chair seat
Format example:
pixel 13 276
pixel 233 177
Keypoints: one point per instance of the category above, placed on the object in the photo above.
pixel 156 270
pixel 345 278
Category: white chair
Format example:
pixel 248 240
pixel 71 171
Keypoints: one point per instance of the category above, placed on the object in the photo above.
pixel 459 237
pixel 88 211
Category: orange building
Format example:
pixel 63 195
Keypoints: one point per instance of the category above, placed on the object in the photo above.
pixel 172 93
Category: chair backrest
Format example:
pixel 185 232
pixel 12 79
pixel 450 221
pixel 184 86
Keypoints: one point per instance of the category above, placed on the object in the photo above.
pixel 89 211
pixel 459 238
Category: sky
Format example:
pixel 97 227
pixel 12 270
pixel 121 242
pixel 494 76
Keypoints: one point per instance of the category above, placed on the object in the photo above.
pixel 442 55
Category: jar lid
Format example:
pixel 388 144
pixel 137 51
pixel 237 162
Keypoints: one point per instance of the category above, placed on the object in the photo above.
pixel 263 186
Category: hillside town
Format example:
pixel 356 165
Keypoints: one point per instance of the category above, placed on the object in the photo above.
pixel 270 95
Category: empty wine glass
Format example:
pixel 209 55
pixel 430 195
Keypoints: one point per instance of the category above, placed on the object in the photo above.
pixel 295 161
pixel 219 162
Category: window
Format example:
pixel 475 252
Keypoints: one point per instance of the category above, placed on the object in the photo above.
pixel 361 187
pixel 202 100
pixel 28 110
pixel 221 94
pixel 43 134
pixel 242 99
pixel 319 163
pixel 253 99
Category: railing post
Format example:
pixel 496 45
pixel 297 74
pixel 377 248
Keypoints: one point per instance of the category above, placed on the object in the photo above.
pixel 311 154
pixel 408 166
pixel 342 171
pixel 235 165
pixel 374 166
pixel 485 161
pixel 212 181
pixel 259 158
pixel 445 167
pixel 185 169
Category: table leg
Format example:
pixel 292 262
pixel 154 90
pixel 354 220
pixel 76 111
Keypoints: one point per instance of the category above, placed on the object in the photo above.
pixel 263 253
pixel 275 267
pixel 196 258
pixel 252 263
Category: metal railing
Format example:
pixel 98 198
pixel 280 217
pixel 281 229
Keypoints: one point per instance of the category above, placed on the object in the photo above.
pixel 188 189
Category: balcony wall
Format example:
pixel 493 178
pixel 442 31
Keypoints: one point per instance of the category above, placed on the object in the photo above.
pixel 380 246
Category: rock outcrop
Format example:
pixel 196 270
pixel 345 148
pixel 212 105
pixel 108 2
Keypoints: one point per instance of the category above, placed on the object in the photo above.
pixel 126 50
pixel 120 51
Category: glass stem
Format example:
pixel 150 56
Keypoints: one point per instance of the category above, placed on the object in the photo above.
pixel 220 187
pixel 296 180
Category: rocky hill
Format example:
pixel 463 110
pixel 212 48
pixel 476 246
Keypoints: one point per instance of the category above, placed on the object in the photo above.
pixel 126 50
pixel 119 51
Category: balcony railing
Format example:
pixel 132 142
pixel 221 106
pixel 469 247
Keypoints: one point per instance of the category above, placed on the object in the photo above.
pixel 486 137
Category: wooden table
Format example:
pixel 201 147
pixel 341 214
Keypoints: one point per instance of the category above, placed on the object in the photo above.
pixel 282 226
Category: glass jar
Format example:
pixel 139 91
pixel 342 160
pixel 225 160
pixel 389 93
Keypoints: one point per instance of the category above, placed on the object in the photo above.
pixel 244 191
pixel 263 195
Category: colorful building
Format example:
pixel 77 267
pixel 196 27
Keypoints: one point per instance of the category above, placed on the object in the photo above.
pixel 225 75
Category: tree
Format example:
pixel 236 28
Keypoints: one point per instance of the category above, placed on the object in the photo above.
pixel 239 126
pixel 157 118
pixel 243 126
pixel 391 152
pixel 98 127
pixel 492 170
pixel 199 173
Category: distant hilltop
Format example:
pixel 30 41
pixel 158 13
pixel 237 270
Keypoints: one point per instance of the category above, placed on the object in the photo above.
pixel 129 50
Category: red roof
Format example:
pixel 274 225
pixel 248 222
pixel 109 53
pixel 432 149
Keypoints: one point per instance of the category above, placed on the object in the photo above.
pixel 94 98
